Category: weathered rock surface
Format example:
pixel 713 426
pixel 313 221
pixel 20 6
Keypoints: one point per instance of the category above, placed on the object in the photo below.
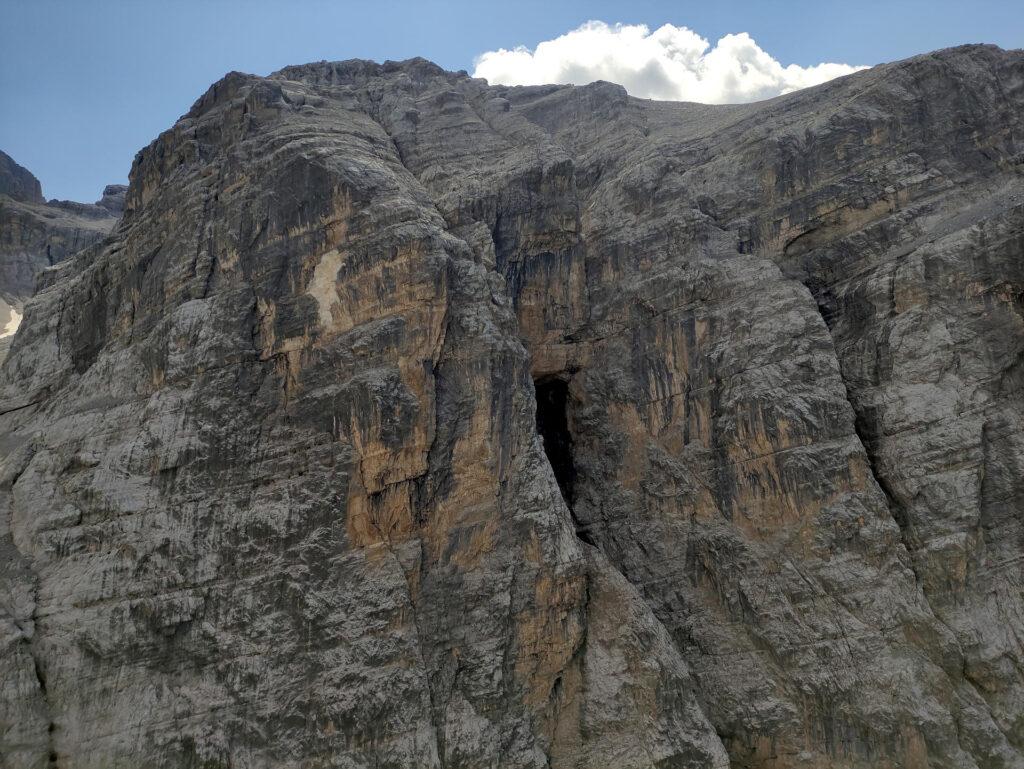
pixel 17 182
pixel 36 234
pixel 273 490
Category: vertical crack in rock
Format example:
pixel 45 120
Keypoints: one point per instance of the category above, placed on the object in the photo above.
pixel 425 489
pixel 552 396
pixel 436 722
pixel 866 434
pixel 869 437
pixel 18 577
pixel 562 696
pixel 37 667
pixel 553 425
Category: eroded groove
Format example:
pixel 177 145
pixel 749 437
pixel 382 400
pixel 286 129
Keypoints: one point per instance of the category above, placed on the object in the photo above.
pixel 869 439
pixel 40 674
pixel 554 427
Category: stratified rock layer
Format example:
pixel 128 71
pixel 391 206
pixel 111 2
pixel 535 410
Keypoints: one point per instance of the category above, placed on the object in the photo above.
pixel 273 489
pixel 36 234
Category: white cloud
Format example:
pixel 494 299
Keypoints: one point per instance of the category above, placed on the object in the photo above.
pixel 671 63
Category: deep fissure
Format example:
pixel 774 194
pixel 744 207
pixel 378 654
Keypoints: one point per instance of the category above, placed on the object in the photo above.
pixel 554 408
pixel 553 427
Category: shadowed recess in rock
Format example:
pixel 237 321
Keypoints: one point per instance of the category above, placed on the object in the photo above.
pixel 553 426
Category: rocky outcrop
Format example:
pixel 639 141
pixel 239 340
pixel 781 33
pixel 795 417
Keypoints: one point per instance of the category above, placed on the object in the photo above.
pixel 409 421
pixel 36 234
pixel 18 183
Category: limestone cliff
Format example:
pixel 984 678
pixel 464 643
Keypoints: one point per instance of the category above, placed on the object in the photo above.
pixel 36 234
pixel 406 421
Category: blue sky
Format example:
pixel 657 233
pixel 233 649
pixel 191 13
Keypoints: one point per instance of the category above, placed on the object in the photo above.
pixel 84 84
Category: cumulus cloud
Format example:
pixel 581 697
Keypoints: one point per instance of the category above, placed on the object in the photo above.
pixel 671 63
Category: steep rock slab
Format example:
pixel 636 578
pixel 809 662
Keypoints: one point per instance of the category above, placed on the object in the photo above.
pixel 273 480
pixel 272 465
pixel 718 459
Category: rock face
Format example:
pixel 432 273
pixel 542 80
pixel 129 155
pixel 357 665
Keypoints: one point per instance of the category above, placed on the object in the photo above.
pixel 18 183
pixel 35 234
pixel 406 421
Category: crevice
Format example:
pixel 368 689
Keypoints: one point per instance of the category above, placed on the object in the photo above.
pixel 561 698
pixel 826 305
pixel 554 421
pixel 553 428
pixel 40 674
pixel 436 710
pixel 869 438
pixel 19 408
pixel 434 483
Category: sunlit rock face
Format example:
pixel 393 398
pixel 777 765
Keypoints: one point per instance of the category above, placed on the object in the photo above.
pixel 409 421
pixel 36 234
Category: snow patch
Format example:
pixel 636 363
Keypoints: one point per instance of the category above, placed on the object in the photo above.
pixel 13 319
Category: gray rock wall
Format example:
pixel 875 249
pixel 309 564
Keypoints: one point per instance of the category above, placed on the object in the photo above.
pixel 272 491
pixel 36 234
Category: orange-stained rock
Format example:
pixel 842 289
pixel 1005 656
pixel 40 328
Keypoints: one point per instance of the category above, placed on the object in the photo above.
pixel 273 490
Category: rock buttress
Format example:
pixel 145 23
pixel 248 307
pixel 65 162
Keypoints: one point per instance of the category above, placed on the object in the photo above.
pixel 276 490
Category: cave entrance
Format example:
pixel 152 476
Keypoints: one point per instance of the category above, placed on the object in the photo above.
pixel 553 427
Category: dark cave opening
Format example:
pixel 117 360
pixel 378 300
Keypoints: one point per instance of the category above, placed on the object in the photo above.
pixel 553 426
